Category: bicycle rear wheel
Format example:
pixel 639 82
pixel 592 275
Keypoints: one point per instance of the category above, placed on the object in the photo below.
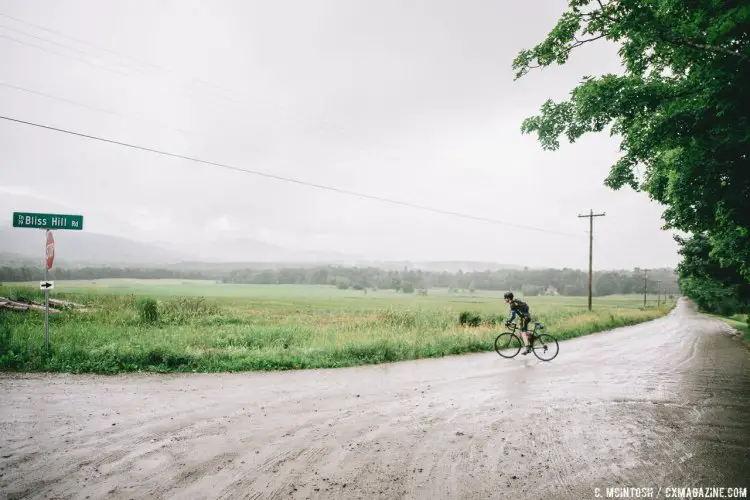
pixel 545 347
pixel 508 342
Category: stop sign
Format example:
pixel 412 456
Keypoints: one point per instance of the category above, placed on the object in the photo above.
pixel 50 249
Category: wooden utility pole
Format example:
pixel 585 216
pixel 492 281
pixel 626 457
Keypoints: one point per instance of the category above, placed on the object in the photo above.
pixel 645 285
pixel 591 216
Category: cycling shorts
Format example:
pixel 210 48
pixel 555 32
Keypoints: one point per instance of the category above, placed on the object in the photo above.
pixel 525 319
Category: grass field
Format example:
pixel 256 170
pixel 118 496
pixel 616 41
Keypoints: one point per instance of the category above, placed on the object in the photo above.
pixel 207 326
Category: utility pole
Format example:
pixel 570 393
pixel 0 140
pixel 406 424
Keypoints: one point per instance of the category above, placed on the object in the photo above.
pixel 645 285
pixel 591 216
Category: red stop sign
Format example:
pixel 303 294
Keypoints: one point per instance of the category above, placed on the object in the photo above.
pixel 50 249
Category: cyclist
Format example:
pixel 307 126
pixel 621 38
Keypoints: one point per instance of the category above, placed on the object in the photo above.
pixel 522 309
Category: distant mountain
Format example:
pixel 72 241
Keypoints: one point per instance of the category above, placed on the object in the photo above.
pixel 74 248
pixel 16 260
pixel 249 250
pixel 82 248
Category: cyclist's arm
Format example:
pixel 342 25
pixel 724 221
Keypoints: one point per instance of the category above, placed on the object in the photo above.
pixel 512 315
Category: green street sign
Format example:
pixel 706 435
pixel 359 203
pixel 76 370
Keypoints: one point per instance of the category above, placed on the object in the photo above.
pixel 48 221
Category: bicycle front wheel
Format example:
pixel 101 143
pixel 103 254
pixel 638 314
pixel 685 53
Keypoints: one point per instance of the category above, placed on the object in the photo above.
pixel 545 347
pixel 508 345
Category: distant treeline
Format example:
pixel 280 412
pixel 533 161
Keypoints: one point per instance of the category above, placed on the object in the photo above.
pixel 528 281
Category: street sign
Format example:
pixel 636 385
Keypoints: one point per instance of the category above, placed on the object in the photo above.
pixel 48 221
pixel 50 250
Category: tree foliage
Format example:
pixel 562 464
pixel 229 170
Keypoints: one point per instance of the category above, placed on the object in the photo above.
pixel 680 108
pixel 711 286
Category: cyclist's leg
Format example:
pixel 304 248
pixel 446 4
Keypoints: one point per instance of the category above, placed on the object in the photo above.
pixel 524 331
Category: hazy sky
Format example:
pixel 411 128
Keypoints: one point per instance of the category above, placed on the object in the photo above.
pixel 413 101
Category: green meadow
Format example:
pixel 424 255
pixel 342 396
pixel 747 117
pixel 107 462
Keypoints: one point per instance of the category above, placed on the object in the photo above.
pixel 204 326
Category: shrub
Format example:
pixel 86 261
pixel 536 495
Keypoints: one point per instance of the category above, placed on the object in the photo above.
pixel 407 287
pixel 342 283
pixel 147 310
pixel 469 318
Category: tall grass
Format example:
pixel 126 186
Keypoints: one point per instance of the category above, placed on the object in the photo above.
pixel 191 333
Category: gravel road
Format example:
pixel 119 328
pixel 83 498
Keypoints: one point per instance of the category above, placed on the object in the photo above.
pixel 662 404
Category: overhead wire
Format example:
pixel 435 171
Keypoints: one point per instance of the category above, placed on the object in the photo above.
pixel 96 64
pixel 286 179
pixel 201 134
pixel 93 108
pixel 55 43
pixel 45 49
pixel 185 81
pixel 115 53
pixel 234 106
pixel 188 92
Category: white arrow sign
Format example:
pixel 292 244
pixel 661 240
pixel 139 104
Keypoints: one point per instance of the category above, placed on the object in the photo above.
pixel 46 285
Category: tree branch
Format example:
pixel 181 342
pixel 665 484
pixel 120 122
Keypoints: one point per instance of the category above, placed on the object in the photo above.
pixel 581 42
pixel 663 33
pixel 701 46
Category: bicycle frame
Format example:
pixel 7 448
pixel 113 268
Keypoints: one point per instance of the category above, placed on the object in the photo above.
pixel 513 327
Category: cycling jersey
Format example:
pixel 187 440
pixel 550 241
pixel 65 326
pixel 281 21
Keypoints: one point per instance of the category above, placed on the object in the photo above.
pixel 522 309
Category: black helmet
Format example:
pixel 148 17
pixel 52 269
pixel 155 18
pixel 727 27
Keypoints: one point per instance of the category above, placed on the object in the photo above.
pixel 508 295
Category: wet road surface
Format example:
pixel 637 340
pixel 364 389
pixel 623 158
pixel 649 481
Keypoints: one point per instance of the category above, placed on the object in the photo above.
pixel 663 404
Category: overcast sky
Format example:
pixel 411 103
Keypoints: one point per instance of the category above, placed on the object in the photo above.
pixel 413 101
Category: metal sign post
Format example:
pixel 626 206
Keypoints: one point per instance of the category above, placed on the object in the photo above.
pixel 50 259
pixel 46 311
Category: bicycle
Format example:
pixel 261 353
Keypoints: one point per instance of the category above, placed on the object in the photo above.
pixel 540 343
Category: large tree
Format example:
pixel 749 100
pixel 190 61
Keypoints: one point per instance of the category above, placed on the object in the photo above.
pixel 713 287
pixel 680 108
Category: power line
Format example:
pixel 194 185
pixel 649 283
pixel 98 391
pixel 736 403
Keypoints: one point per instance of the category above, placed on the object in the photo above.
pixel 77 40
pixel 58 44
pixel 286 179
pixel 121 55
pixel 44 49
pixel 91 107
pixel 184 88
pixel 194 133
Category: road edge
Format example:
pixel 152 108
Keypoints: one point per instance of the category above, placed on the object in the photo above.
pixel 741 330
